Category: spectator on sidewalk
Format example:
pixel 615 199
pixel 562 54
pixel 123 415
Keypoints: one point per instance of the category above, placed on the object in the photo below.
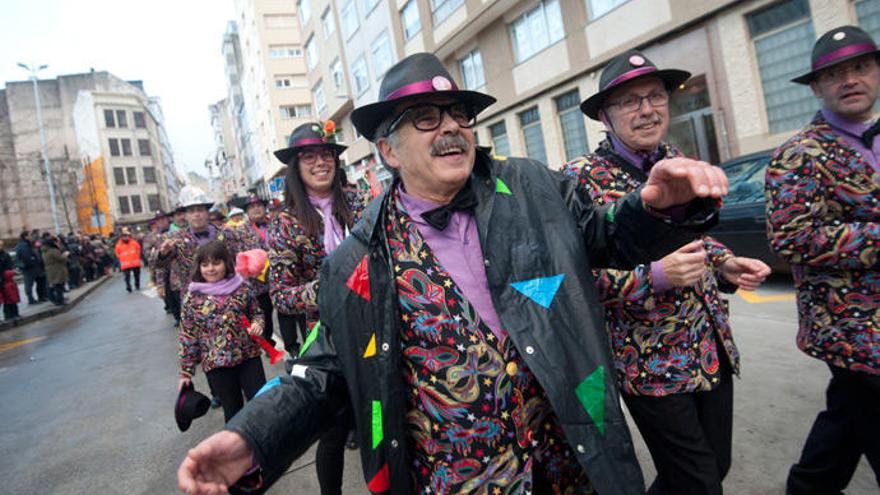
pixel 5 259
pixel 30 265
pixel 9 295
pixel 56 269
pixel 128 252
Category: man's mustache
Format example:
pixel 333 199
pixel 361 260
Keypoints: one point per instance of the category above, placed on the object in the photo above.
pixel 449 141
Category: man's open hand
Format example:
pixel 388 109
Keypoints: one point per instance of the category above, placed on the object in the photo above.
pixel 677 181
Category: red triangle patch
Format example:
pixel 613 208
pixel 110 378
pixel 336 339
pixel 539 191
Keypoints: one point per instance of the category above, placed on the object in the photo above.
pixel 380 482
pixel 359 281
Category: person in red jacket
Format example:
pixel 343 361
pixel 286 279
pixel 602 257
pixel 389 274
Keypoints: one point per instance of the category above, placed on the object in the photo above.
pixel 9 296
pixel 128 251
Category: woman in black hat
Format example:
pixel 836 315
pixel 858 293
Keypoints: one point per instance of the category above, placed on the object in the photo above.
pixel 320 208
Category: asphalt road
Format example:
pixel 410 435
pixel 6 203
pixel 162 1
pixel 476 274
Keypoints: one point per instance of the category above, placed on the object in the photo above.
pixel 88 402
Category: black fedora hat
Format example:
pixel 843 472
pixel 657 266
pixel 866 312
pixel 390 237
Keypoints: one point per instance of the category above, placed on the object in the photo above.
pixel 836 46
pixel 189 406
pixel 310 134
pixel 623 69
pixel 244 201
pixel 418 74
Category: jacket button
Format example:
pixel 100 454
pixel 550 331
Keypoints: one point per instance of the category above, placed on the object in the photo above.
pixel 394 444
pixel 581 449
pixel 385 347
pixel 486 262
pixel 530 349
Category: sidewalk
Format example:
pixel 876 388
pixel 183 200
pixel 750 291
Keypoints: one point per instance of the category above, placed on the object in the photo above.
pixel 33 312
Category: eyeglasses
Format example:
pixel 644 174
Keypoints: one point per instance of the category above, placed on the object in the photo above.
pixel 311 157
pixel 632 103
pixel 428 116
pixel 837 74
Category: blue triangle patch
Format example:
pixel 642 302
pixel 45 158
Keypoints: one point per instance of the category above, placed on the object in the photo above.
pixel 541 290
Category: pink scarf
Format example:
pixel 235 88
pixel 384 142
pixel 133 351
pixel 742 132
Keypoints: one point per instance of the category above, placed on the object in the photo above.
pixel 219 288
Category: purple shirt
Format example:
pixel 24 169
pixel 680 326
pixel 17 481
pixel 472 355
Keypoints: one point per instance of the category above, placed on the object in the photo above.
pixel 659 280
pixel 202 240
pixel 333 233
pixel 458 250
pixel 851 133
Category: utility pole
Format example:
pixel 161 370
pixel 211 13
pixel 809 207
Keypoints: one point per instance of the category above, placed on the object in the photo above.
pixel 43 150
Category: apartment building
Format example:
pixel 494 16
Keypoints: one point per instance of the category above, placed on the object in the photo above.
pixel 225 161
pixel 272 76
pixel 540 58
pixel 238 149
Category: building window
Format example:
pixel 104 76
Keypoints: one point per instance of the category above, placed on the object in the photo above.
pixel 311 53
pixel 349 17
pixel 530 121
pixel 140 122
pixel 279 21
pixel 121 120
pixel 144 147
pixel 320 100
pixel 124 208
pixel 382 56
pixel 571 121
pixel 131 174
pixel 537 29
pixel 336 71
pixel 783 37
pixel 136 206
pixel 368 6
pixel 153 202
pixel 150 177
pixel 109 119
pixel 283 82
pixel 291 81
pixel 441 9
pixel 598 8
pixel 360 75
pixel 500 144
pixel 295 111
pixel 119 176
pixel 126 147
pixel 868 12
pixel 409 17
pixel 284 51
pixel 305 11
pixel 114 147
pixel 328 22
pixel 472 70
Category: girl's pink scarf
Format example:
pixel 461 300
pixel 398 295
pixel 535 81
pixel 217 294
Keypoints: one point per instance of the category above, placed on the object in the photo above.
pixel 219 288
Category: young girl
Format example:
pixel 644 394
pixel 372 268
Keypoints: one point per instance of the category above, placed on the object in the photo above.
pixel 212 331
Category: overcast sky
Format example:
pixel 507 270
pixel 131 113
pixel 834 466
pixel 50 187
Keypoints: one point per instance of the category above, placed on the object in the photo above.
pixel 173 46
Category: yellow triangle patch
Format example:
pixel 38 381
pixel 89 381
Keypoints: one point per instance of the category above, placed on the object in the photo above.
pixel 371 347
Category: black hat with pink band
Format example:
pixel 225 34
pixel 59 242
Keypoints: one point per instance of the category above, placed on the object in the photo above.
pixel 625 68
pixel 309 134
pixel 419 74
pixel 836 46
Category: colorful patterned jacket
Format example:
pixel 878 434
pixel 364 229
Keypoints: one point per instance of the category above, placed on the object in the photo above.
pixel 823 216
pixel 180 259
pixel 665 342
pixel 295 260
pixel 539 237
pixel 212 332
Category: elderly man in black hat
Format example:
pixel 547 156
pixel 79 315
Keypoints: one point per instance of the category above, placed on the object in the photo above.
pixel 673 348
pixel 823 211
pixel 459 320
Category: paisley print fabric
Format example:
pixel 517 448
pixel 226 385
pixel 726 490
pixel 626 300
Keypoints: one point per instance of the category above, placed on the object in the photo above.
pixel 823 215
pixel 183 253
pixel 664 342
pixel 212 333
pixel 478 417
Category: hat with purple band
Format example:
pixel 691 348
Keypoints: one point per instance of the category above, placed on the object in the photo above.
pixel 623 69
pixel 836 46
pixel 310 134
pixel 417 75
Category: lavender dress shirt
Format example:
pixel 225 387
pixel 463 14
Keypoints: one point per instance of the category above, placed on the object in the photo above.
pixel 333 233
pixel 851 132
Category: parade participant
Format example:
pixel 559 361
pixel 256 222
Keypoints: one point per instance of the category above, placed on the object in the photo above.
pixel 236 217
pixel 673 348
pixel 55 261
pixel 212 332
pixel 823 213
pixel 128 252
pixel 217 215
pixel 178 218
pixel 459 319
pixel 158 227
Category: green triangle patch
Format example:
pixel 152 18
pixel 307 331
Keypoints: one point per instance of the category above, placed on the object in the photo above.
pixel 311 338
pixel 376 423
pixel 591 394
pixel 501 187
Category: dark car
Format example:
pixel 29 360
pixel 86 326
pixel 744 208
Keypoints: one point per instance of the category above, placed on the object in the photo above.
pixel 742 222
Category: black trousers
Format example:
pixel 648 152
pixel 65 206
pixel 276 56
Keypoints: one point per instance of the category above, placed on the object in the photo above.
pixel 289 325
pixel 42 287
pixel 265 303
pixel 173 301
pixel 136 273
pixel 689 437
pixel 10 311
pixel 229 383
pixel 846 429
pixel 330 456
pixel 56 294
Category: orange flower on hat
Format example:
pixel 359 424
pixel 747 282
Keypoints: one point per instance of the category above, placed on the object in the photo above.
pixel 329 128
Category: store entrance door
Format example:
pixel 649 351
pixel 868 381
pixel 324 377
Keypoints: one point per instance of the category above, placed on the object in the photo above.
pixel 691 126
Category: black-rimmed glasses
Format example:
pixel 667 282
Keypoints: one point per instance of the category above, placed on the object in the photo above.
pixel 428 116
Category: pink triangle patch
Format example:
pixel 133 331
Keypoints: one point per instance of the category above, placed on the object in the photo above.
pixel 359 281
pixel 380 483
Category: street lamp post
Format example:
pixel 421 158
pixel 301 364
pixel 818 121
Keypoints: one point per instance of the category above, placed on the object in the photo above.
pixel 43 150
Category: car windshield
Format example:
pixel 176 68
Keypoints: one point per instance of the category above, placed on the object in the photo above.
pixel 746 180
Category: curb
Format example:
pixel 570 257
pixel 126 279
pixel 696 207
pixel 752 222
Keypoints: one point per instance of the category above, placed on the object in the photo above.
pixel 56 310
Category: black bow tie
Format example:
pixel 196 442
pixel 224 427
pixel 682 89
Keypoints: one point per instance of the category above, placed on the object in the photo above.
pixel 439 217
pixel 868 136
pixel 204 233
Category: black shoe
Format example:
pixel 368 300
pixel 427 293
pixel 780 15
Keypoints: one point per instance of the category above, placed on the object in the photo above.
pixel 128 289
pixel 215 402
pixel 176 323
